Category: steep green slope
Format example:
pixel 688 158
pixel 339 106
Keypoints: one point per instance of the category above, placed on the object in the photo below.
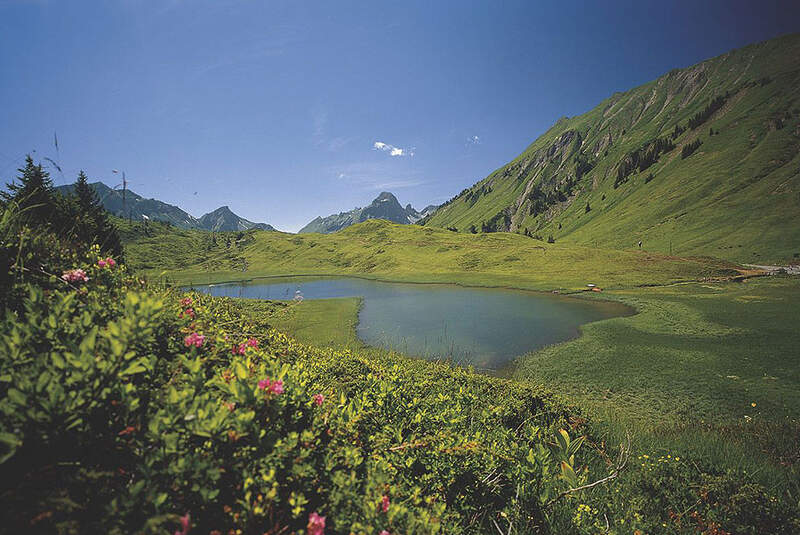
pixel 630 169
pixel 379 249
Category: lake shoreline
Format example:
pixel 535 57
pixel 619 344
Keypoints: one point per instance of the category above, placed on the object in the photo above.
pixel 483 327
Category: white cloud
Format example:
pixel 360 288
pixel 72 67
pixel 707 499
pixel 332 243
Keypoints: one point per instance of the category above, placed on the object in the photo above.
pixel 392 150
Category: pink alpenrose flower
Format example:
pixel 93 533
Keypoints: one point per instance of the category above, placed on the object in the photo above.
pixel 385 504
pixel 194 339
pixel 185 525
pixel 75 275
pixel 318 399
pixel 316 524
pixel 276 387
pixel 272 387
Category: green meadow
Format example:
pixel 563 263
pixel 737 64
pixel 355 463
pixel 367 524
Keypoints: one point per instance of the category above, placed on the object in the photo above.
pixel 707 367
pixel 382 250
pixel 708 370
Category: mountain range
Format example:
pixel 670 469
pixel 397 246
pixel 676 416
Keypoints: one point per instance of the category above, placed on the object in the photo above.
pixel 137 207
pixel 385 206
pixel 704 160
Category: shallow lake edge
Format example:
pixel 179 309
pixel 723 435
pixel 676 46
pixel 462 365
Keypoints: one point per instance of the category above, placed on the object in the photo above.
pixel 507 370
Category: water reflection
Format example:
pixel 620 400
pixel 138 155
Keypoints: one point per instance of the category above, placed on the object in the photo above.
pixel 482 327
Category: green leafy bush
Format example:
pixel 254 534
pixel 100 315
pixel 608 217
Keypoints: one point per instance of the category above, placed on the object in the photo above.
pixel 124 408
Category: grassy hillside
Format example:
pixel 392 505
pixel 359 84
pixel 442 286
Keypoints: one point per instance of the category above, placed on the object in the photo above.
pixel 379 249
pixel 617 174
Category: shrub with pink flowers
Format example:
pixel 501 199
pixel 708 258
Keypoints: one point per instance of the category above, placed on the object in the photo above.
pixel 194 339
pixel 75 275
pixel 165 419
pixel 316 524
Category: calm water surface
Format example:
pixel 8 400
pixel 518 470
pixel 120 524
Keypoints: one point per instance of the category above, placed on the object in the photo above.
pixel 483 327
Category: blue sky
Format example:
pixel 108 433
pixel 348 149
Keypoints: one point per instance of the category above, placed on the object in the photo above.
pixel 289 110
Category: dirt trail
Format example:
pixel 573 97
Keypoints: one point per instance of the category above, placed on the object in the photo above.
pixel 793 269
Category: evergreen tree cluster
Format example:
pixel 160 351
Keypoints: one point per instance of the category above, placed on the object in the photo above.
pixel 677 132
pixel 500 222
pixel 703 116
pixel 689 148
pixel 473 195
pixel 78 218
pixel 582 166
pixel 542 199
pixel 641 159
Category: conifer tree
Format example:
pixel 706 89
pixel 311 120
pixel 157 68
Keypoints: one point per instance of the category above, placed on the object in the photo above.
pixel 92 224
pixel 33 194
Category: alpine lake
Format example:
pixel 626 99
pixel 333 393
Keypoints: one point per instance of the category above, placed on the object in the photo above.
pixel 486 328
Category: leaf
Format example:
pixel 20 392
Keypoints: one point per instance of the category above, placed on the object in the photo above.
pixel 563 440
pixel 10 443
pixel 240 370
pixel 569 474
pixel 88 343
pixel 133 369
pixel 574 446
pixel 41 383
pixel 58 360
pixel 16 396
pixel 137 487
